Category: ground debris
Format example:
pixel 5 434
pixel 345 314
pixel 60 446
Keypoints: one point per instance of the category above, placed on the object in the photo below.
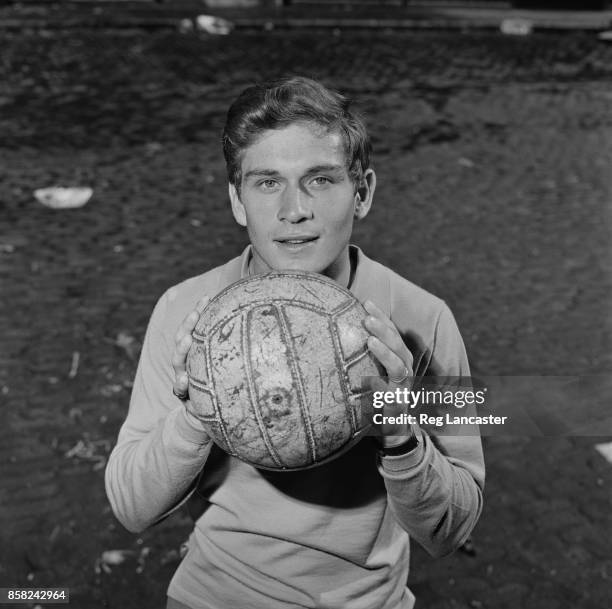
pixel 94 451
pixel 111 558
pixel 468 547
pixel 209 24
pixel 465 162
pixel 142 557
pixel 127 343
pixel 109 390
pixel 516 27
pixel 74 365
pixel 60 197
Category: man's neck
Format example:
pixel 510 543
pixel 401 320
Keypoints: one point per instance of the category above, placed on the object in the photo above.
pixel 341 271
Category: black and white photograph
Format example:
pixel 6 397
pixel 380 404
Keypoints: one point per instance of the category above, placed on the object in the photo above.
pixel 306 304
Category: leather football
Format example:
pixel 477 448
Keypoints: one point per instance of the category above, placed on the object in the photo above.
pixel 277 370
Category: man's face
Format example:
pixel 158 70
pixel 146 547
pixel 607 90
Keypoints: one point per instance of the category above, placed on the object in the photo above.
pixel 298 201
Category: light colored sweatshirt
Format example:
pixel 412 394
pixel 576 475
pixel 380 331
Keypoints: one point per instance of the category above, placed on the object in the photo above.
pixel 335 536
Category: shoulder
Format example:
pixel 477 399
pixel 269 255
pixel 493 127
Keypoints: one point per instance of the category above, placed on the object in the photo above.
pixel 402 299
pixel 424 320
pixel 180 299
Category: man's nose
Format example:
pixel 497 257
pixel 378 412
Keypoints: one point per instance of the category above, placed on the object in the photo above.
pixel 295 205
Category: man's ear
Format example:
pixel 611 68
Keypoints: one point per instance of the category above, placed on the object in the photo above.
pixel 237 206
pixel 365 194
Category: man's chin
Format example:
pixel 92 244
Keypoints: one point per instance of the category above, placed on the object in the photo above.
pixel 276 261
pixel 298 265
pixel 307 262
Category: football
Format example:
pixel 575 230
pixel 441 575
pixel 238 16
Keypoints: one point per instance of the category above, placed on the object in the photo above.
pixel 277 370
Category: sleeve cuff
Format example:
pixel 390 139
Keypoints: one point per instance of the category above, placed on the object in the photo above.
pixel 410 461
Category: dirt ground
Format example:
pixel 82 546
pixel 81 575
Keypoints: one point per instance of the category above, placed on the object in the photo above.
pixel 493 157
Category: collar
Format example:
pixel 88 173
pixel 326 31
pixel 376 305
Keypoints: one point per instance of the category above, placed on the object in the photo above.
pixel 245 260
pixel 369 282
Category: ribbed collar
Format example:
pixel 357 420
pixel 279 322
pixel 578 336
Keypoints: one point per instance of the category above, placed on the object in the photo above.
pixel 369 282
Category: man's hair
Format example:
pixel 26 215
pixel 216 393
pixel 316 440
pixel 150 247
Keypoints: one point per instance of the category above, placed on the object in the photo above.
pixel 280 103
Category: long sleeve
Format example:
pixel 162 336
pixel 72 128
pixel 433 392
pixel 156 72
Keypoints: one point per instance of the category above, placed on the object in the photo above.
pixel 435 492
pixel 161 448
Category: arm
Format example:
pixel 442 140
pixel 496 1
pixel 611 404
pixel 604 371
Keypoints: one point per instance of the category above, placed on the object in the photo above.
pixel 435 491
pixel 161 446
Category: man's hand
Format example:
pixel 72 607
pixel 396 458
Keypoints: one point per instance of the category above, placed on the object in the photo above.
pixel 386 344
pixel 182 344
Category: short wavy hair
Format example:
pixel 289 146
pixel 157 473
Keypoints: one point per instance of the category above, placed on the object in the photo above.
pixel 296 99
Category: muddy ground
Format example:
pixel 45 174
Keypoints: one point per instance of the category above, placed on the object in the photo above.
pixel 493 157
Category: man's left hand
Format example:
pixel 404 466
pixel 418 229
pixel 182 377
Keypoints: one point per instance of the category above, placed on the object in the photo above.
pixel 386 344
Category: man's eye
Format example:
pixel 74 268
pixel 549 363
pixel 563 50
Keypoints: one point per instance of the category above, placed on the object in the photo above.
pixel 268 184
pixel 320 181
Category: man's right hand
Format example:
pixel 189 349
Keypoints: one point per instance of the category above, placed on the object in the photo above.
pixel 182 344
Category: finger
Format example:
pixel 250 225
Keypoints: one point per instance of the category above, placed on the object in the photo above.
pixel 389 336
pixel 179 356
pixel 179 361
pixel 394 365
pixel 201 305
pixel 380 325
pixel 181 384
pixel 376 312
pixel 187 326
pixel 189 323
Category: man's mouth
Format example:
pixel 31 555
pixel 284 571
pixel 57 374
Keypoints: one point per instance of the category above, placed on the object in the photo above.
pixel 300 240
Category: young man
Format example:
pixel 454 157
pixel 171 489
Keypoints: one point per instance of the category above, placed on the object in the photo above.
pixel 335 536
